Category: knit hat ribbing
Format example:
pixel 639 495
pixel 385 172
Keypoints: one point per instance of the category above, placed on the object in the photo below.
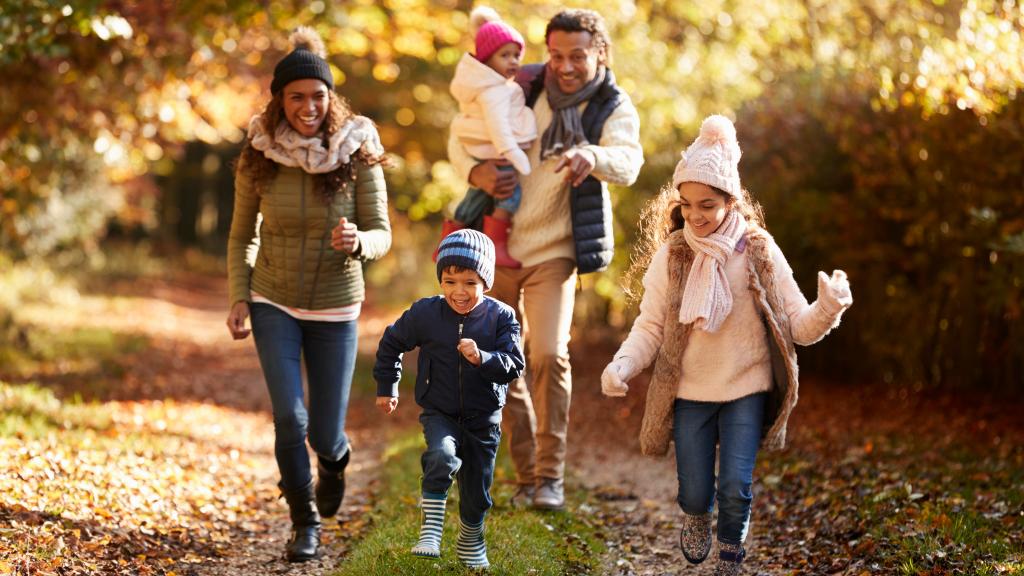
pixel 305 61
pixel 713 158
pixel 491 33
pixel 470 249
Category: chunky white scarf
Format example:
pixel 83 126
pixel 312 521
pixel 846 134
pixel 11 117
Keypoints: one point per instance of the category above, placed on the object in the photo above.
pixel 707 299
pixel 289 148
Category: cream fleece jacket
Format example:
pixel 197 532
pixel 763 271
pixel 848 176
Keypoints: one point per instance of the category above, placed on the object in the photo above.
pixel 542 228
pixel 733 362
pixel 493 119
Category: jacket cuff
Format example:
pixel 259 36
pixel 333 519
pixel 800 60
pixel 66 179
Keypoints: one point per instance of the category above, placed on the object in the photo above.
pixel 388 390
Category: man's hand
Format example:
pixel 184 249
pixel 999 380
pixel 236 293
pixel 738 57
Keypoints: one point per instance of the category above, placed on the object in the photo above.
pixel 468 349
pixel 498 184
pixel 580 163
pixel 344 237
pixel 387 404
pixel 236 320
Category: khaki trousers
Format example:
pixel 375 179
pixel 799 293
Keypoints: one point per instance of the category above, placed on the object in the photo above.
pixel 536 418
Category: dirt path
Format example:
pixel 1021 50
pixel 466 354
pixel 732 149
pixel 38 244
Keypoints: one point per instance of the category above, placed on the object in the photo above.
pixel 191 358
pixel 636 494
pixel 857 456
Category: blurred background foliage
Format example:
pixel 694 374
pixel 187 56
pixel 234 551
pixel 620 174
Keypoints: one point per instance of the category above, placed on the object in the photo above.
pixel 884 137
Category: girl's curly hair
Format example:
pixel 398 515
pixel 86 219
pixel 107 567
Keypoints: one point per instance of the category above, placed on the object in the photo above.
pixel 326 185
pixel 662 216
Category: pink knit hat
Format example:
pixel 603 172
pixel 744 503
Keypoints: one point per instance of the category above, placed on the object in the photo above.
pixel 491 33
pixel 713 158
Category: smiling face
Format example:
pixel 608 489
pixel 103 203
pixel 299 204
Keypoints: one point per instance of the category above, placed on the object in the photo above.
pixel 703 208
pixel 505 60
pixel 573 59
pixel 305 105
pixel 463 289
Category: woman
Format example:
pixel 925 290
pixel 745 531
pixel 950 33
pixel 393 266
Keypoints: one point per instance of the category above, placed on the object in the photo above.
pixel 312 170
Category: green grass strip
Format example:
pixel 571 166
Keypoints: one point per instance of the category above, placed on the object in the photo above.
pixel 518 541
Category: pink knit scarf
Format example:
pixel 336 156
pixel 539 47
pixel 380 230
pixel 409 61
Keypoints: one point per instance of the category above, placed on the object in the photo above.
pixel 707 299
pixel 289 148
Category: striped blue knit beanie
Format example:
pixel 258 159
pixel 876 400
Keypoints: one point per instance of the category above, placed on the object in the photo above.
pixel 470 249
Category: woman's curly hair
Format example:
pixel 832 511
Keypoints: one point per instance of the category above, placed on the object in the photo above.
pixel 662 216
pixel 326 185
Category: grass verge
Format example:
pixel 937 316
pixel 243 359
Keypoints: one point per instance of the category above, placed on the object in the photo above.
pixel 518 541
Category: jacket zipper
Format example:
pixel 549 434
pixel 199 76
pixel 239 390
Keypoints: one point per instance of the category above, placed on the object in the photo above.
pixel 461 406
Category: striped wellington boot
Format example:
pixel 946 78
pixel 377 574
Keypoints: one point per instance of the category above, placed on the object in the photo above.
pixel 431 526
pixel 471 547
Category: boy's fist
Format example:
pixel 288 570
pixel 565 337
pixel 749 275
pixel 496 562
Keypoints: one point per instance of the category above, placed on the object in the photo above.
pixel 387 404
pixel 467 348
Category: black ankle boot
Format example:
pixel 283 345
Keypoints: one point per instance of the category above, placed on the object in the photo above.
pixel 330 486
pixel 305 541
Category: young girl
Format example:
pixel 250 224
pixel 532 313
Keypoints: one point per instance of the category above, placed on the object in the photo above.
pixel 720 315
pixel 493 122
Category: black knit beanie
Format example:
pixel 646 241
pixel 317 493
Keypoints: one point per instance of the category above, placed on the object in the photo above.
pixel 305 61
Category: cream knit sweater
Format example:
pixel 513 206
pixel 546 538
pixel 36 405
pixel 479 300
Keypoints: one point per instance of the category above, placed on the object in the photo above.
pixel 542 228
pixel 733 362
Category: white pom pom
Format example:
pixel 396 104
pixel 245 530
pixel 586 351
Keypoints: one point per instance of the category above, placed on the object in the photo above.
pixel 718 128
pixel 306 38
pixel 482 15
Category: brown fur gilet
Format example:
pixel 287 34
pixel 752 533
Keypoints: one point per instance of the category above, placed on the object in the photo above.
pixel 656 429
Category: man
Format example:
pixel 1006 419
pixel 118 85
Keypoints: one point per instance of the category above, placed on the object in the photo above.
pixel 590 136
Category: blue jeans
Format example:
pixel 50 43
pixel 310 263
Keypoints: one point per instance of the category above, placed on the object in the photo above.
pixel 329 350
pixel 736 427
pixel 456 452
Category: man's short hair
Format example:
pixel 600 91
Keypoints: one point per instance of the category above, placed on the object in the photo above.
pixel 582 20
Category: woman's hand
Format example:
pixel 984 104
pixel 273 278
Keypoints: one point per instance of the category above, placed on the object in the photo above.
pixel 615 376
pixel 344 237
pixel 387 404
pixel 834 292
pixel 467 347
pixel 236 320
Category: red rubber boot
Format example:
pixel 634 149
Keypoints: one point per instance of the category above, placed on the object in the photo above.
pixel 447 227
pixel 497 231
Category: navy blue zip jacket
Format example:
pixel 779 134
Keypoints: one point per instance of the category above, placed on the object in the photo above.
pixel 445 380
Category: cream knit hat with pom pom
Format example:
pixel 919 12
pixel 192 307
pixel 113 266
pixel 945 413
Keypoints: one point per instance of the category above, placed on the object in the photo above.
pixel 713 158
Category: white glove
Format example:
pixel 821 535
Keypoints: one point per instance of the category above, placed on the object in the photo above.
pixel 834 293
pixel 359 133
pixel 615 376
pixel 518 159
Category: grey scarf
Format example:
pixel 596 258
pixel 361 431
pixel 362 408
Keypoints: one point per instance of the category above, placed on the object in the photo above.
pixel 566 128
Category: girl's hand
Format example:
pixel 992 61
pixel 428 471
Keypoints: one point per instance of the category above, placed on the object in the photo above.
pixel 387 404
pixel 236 320
pixel 468 349
pixel 615 376
pixel 834 292
pixel 344 237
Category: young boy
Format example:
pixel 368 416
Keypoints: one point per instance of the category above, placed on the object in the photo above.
pixel 469 352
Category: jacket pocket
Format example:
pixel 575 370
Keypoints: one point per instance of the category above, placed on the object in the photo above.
pixel 422 380
pixel 500 391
